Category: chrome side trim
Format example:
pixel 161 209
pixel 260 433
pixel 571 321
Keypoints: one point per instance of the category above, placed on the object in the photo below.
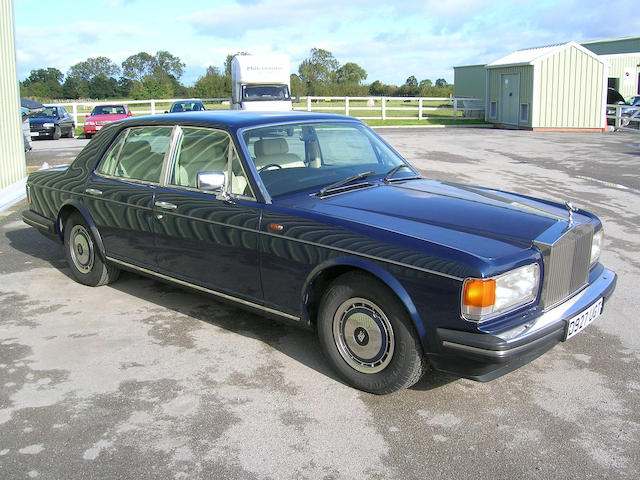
pixel 204 289
pixel 364 255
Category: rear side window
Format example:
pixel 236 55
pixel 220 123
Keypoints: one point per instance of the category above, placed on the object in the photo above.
pixel 137 154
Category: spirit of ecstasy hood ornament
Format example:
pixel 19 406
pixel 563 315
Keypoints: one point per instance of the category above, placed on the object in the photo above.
pixel 571 209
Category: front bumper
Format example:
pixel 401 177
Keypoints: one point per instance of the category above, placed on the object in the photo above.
pixel 483 357
pixel 39 131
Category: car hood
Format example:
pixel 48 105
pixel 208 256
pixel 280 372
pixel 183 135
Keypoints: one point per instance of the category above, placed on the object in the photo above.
pixel 482 222
pixel 41 120
pixel 112 117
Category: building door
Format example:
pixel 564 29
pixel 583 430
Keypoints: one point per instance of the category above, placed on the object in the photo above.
pixel 509 98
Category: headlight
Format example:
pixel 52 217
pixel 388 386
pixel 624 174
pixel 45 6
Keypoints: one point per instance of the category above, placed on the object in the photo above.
pixel 48 125
pixel 596 246
pixel 89 123
pixel 484 298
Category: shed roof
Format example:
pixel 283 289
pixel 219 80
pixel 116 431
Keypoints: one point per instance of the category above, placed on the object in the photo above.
pixel 530 56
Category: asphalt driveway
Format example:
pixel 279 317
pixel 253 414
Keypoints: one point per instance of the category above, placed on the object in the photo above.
pixel 143 380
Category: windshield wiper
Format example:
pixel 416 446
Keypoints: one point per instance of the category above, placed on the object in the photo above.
pixel 387 178
pixel 340 183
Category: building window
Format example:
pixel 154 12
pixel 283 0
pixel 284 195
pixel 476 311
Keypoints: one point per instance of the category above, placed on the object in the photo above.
pixel 524 113
pixel 493 110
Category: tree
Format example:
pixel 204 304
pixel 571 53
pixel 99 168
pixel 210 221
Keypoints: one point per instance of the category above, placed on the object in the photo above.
pixel 411 81
pixel 441 82
pixel 213 84
pixel 298 87
pixel 94 67
pixel 138 66
pixel 425 83
pixel 43 83
pixel 320 67
pixel 43 75
pixel 167 66
pixel 350 73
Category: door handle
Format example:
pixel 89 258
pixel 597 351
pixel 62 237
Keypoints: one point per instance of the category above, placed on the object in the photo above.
pixel 93 191
pixel 166 205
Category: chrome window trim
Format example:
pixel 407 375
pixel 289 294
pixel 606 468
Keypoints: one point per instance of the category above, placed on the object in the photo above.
pixel 174 155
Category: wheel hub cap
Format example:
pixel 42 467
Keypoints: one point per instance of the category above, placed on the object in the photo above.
pixel 81 249
pixel 363 335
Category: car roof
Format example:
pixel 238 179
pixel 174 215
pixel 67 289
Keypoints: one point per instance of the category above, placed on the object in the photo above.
pixel 240 119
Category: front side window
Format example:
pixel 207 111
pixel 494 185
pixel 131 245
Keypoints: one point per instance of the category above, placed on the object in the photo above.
pixel 137 154
pixel 296 157
pixel 201 150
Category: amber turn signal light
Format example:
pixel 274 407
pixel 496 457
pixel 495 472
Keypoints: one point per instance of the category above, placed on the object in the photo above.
pixel 479 293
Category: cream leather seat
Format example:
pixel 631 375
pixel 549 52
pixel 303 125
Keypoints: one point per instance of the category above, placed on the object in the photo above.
pixel 275 150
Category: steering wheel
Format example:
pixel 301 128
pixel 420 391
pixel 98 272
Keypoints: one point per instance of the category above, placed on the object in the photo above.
pixel 266 167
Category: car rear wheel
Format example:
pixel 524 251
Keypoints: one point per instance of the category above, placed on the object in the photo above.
pixel 56 132
pixel 367 335
pixel 86 264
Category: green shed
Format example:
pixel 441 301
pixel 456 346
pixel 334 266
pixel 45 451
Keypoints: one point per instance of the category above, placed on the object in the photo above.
pixel 558 87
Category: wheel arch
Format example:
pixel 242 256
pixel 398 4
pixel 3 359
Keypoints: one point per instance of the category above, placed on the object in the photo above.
pixel 321 276
pixel 69 209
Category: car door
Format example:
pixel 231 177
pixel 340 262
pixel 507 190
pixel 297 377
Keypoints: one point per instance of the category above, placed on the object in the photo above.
pixel 66 121
pixel 119 193
pixel 206 238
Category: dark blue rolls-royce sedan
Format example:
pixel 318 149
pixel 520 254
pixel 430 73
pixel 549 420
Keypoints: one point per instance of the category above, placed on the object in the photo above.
pixel 313 219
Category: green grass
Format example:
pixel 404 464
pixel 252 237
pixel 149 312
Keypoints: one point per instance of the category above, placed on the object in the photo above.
pixel 424 122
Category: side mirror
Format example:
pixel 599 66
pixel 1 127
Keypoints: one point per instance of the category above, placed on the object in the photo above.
pixel 129 114
pixel 211 181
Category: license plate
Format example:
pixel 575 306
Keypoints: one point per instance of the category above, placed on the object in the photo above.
pixel 583 319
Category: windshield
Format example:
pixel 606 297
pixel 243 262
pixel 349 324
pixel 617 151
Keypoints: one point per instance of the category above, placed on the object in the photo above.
pixel 47 112
pixel 265 92
pixel 109 110
pixel 299 157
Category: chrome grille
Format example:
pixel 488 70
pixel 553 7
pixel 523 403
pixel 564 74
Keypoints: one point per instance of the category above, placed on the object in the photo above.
pixel 566 264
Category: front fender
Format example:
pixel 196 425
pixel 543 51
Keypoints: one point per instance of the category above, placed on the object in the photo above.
pixel 372 268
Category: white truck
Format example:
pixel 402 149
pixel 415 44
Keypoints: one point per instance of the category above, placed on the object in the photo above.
pixel 260 82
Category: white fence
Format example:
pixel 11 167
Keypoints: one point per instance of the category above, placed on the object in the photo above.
pixel 628 122
pixel 82 110
pixel 381 108
pixel 453 107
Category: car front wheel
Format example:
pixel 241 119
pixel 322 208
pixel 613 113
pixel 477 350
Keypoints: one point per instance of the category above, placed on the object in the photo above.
pixel 367 335
pixel 86 265
pixel 56 133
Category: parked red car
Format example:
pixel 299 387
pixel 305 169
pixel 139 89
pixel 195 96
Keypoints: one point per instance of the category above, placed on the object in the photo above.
pixel 102 115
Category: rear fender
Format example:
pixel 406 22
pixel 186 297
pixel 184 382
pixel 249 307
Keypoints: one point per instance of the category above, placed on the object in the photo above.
pixel 65 211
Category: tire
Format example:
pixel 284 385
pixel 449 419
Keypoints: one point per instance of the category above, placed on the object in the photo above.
pixel 367 335
pixel 56 133
pixel 87 136
pixel 72 132
pixel 80 247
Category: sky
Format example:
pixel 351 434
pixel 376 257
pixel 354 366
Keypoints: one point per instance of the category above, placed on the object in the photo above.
pixel 391 40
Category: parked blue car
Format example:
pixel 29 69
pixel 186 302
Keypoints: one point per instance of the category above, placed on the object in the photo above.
pixel 52 122
pixel 313 219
